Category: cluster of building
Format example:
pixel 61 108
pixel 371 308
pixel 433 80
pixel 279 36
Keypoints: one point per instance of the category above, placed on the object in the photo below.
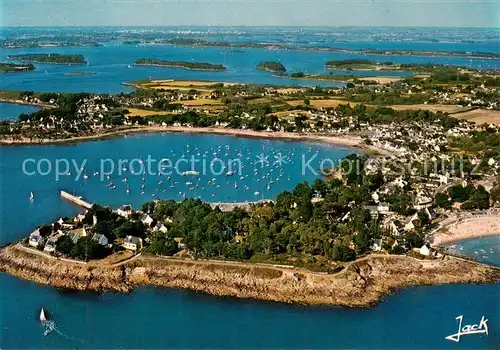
pixel 75 229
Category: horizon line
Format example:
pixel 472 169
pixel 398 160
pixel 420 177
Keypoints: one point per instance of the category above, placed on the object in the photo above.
pixel 244 26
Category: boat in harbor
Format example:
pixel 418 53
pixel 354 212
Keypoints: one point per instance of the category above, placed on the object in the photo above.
pixel 32 196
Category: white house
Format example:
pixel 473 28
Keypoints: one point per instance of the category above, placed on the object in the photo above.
pixel 132 243
pixel 101 239
pixel 396 228
pixel 50 246
pixel 425 250
pixel 376 245
pixel 124 211
pixel 384 207
pixel 36 240
pixel 410 226
pixel 160 227
pixel 147 220
pixel 79 217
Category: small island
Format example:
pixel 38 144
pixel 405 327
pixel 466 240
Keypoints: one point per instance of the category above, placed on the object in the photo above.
pixel 270 66
pixel 52 58
pixel 360 64
pixel 79 73
pixel 180 64
pixel 14 67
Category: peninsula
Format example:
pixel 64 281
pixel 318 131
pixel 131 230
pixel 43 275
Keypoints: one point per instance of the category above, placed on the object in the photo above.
pixel 360 284
pixel 52 58
pixel 180 64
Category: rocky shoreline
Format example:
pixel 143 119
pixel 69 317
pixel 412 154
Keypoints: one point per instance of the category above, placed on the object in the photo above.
pixel 362 283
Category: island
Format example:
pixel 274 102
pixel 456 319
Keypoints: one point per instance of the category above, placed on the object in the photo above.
pixel 79 73
pixel 359 64
pixel 195 42
pixel 271 66
pixel 14 67
pixel 180 64
pixel 52 58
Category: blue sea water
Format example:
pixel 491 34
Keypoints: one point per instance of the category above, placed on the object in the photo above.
pixel 254 161
pixel 150 318
pixel 10 111
pixel 418 317
pixel 111 61
pixel 484 249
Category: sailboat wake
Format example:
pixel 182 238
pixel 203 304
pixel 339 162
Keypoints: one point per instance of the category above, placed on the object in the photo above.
pixel 50 326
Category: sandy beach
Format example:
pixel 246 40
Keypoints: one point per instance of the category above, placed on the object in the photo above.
pixel 468 227
pixel 354 142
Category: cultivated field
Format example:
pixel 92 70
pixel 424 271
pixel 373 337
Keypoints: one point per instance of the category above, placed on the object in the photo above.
pixel 480 116
pixel 327 103
pixel 451 109
pixel 136 112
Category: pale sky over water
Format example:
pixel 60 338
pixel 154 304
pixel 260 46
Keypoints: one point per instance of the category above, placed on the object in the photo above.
pixel 444 13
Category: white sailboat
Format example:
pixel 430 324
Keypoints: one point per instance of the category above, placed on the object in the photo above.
pixel 43 317
pixel 32 196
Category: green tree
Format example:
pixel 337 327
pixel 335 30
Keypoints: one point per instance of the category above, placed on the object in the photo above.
pixel 400 202
pixel 64 245
pixel 162 244
pixel 480 198
pixel 86 249
pixel 495 194
pixel 442 201
pixel 342 252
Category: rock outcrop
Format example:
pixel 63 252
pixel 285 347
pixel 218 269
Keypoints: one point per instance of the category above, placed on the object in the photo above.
pixel 362 283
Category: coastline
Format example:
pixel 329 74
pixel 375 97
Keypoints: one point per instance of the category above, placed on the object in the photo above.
pixel 21 102
pixel 343 141
pixel 362 283
pixel 466 228
pixel 178 66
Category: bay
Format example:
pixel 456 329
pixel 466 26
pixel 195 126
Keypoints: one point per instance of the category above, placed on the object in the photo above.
pixel 262 168
pixel 10 111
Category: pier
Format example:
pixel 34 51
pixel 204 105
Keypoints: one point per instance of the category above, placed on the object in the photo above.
pixel 77 200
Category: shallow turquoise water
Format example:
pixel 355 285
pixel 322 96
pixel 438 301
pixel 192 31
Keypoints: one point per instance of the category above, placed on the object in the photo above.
pixel 485 249
pixel 10 111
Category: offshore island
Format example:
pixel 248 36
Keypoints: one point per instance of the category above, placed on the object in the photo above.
pixel 347 239
pixel 51 58
pixel 180 64
pixel 13 67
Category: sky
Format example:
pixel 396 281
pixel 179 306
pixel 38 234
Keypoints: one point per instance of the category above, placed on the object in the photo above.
pixel 404 13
